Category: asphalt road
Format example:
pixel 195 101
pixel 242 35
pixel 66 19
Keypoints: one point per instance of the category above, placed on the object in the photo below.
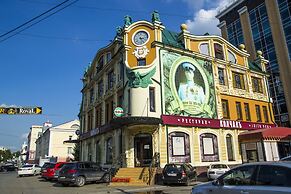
pixel 10 183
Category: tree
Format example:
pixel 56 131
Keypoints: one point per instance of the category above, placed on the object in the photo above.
pixel 76 152
pixel 5 155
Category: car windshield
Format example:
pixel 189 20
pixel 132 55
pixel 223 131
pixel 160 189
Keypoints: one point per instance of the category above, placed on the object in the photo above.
pixel 27 166
pixel 286 159
pixel 61 165
pixel 219 166
pixel 69 165
pixel 51 165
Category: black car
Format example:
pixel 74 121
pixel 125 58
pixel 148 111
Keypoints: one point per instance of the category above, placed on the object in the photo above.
pixel 8 167
pixel 179 173
pixel 79 173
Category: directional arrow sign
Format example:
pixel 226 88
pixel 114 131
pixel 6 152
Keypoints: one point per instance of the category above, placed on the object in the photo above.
pixel 21 111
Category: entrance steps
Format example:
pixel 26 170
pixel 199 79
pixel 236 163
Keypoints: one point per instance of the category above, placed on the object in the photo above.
pixel 131 177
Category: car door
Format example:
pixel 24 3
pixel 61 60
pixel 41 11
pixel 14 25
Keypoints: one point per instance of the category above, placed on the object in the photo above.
pixel 237 181
pixel 272 179
pixel 88 171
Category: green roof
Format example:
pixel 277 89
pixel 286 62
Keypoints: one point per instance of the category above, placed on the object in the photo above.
pixel 171 39
pixel 255 67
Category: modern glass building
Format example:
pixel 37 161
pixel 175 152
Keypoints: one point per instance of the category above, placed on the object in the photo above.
pixel 264 25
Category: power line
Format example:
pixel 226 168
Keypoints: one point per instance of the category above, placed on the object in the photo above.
pixel 31 20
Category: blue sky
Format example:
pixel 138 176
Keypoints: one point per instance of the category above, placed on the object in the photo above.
pixel 43 65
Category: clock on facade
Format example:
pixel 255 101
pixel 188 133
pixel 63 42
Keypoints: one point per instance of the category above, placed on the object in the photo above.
pixel 140 38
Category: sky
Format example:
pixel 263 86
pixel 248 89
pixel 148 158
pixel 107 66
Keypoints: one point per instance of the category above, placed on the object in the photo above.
pixel 43 65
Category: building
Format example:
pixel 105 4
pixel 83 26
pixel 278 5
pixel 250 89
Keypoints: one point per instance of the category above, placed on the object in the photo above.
pixel 50 144
pixel 264 25
pixel 34 133
pixel 184 98
pixel 23 152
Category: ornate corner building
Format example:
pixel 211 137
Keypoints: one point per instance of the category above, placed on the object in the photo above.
pixel 185 98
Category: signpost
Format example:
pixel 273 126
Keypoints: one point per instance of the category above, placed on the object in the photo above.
pixel 21 110
pixel 118 112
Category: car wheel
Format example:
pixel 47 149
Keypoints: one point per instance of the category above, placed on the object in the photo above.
pixel 20 175
pixel 34 173
pixel 106 178
pixel 80 181
pixel 165 183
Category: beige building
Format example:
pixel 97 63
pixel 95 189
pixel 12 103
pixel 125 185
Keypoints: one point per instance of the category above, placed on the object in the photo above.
pixel 35 131
pixel 50 143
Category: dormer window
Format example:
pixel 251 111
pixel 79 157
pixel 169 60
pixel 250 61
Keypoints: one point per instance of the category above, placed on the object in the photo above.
pixel 218 50
pixel 100 63
pixel 231 57
pixel 108 57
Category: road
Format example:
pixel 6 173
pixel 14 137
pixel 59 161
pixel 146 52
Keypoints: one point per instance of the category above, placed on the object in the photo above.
pixel 10 183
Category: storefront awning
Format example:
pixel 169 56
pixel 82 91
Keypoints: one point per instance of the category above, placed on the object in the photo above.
pixel 274 133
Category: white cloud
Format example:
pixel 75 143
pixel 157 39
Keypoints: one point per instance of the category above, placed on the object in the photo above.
pixel 7 106
pixel 24 136
pixel 204 20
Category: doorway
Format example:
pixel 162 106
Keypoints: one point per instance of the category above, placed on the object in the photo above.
pixel 143 150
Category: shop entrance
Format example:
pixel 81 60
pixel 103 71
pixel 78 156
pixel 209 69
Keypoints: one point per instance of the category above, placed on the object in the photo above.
pixel 143 150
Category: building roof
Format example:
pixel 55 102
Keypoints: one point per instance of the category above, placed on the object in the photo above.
pixel 171 38
pixel 255 67
pixel 274 133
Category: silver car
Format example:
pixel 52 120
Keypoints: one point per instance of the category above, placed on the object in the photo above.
pixel 252 178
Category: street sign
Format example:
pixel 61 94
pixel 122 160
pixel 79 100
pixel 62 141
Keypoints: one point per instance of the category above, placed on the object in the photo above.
pixel 21 110
pixel 118 112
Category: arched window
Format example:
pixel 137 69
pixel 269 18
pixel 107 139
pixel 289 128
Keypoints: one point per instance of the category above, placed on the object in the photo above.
pixel 209 147
pixel 204 48
pixel 229 147
pixel 231 57
pixel 109 154
pixel 218 50
pixel 179 147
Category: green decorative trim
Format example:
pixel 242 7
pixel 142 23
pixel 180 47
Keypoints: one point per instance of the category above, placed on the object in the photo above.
pixel 140 80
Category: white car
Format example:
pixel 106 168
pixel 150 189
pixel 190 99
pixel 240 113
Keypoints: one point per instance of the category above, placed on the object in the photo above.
pixel 215 170
pixel 29 169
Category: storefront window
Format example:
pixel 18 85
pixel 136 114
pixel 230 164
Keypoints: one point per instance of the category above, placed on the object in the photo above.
pixel 209 147
pixel 229 147
pixel 179 147
pixel 109 151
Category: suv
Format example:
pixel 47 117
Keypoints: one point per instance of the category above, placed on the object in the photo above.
pixel 259 178
pixel 51 170
pixel 79 173
pixel 179 173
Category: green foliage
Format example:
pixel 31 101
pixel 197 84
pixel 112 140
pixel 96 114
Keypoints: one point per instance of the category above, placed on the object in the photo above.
pixel 5 155
pixel 76 152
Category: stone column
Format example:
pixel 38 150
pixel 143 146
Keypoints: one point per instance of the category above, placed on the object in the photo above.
pixel 247 32
pixel 281 49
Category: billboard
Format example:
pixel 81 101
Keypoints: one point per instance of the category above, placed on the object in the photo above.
pixel 188 86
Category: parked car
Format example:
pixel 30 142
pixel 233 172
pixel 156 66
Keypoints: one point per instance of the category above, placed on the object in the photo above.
pixel 49 172
pixel 45 165
pixel 179 173
pixel 258 178
pixel 79 173
pixel 215 170
pixel 8 167
pixel 287 158
pixel 29 169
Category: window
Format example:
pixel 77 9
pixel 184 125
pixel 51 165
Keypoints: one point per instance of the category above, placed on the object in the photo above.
pixel 129 101
pixel 229 147
pixel 225 109
pixel 231 57
pixel 238 80
pixel 107 113
pixel 204 48
pixel 121 71
pixel 120 100
pixel 141 62
pixel 247 111
pixel 89 152
pixel 152 99
pixel 209 147
pixel 179 147
pixel 240 176
pixel 238 110
pixel 258 112
pixel 70 150
pixel 100 88
pixel 218 51
pixel 221 76
pixel 257 85
pixel 274 176
pixel 100 64
pixel 110 80
pixel 108 57
pixel 109 153
pixel 91 95
pixel 265 112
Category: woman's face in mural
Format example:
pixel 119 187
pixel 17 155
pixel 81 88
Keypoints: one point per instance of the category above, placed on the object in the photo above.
pixel 189 74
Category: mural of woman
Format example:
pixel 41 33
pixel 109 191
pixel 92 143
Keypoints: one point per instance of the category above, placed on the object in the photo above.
pixel 190 91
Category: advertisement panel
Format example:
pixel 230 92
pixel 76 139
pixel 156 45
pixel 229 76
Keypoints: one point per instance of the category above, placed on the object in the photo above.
pixel 188 86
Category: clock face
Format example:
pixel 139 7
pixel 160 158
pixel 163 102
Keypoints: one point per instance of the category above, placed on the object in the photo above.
pixel 140 38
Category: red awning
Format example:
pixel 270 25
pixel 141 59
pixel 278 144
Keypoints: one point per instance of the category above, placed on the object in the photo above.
pixel 275 133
